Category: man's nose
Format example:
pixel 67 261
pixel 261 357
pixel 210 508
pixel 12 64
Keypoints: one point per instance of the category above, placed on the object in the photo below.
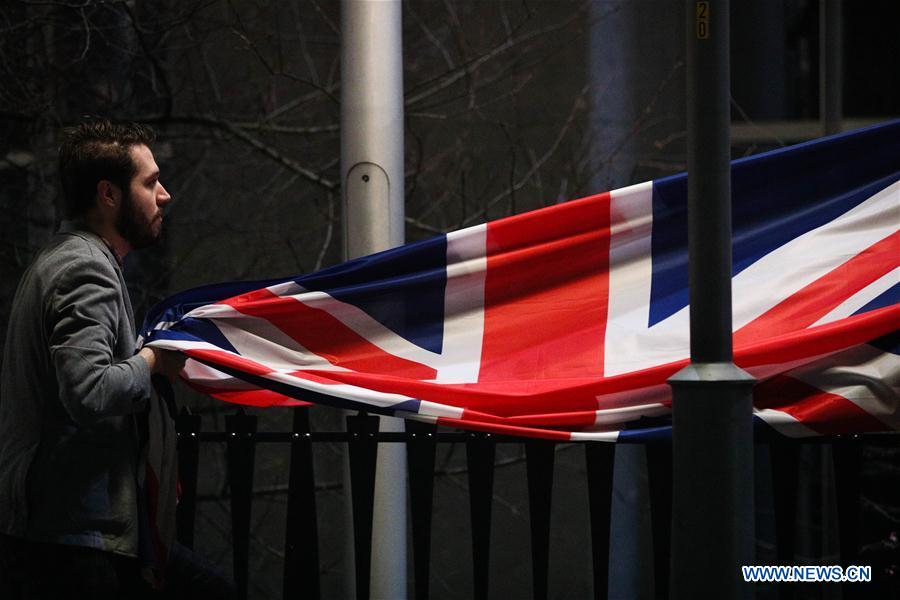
pixel 163 197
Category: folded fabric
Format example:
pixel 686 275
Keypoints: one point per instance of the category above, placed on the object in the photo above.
pixel 566 322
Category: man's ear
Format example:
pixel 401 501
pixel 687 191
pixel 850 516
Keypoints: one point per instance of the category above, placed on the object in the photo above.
pixel 108 194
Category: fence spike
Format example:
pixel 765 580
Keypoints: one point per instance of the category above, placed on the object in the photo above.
pixel 480 454
pixel 539 457
pixel 187 426
pixel 241 451
pixel 301 544
pixel 659 478
pixel 599 462
pixel 785 461
pixel 420 458
pixel 363 453
pixel 847 456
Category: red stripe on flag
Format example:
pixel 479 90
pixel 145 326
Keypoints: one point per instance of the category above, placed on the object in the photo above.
pixel 256 397
pixel 523 397
pixel 503 399
pixel 241 395
pixel 823 412
pixel 326 336
pixel 533 432
pixel 820 297
pixel 317 378
pixel 546 293
pixel 228 359
pixel 564 419
pixel 815 341
pixel 580 419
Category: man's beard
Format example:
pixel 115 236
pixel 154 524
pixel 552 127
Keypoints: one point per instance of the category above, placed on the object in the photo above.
pixel 133 226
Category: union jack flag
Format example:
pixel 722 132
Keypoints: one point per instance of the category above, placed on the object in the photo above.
pixel 566 322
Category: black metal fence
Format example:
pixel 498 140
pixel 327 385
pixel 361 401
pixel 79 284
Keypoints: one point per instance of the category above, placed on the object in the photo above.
pixel 301 562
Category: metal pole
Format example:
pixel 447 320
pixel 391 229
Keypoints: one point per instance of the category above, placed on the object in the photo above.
pixel 373 192
pixel 831 80
pixel 712 507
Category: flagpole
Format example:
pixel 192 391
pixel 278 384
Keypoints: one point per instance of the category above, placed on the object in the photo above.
pixel 712 508
pixel 373 201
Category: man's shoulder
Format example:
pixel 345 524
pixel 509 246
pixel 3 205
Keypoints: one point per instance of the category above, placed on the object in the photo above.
pixel 64 263
pixel 72 251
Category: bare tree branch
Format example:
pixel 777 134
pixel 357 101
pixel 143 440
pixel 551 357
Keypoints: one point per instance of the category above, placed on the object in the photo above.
pixel 267 150
pixel 450 77
pixel 577 106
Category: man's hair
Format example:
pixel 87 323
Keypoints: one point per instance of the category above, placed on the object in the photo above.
pixel 93 151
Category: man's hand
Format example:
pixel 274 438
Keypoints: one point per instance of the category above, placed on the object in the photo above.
pixel 164 362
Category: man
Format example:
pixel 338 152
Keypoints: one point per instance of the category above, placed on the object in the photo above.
pixel 77 411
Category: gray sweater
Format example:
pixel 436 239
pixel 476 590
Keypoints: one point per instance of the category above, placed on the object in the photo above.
pixel 70 389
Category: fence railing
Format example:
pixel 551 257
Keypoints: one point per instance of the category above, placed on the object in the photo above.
pixel 301 561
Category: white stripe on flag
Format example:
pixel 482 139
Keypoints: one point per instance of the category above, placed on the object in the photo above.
pixel 864 375
pixel 784 423
pixel 861 298
pixel 632 346
pixel 630 275
pixel 258 339
pixel 775 277
pixel 460 359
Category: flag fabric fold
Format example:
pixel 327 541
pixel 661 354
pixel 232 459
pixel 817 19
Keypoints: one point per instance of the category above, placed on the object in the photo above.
pixel 566 322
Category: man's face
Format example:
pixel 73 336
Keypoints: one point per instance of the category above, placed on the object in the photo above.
pixel 140 216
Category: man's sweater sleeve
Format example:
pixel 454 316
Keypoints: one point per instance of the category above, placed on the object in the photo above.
pixel 82 320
